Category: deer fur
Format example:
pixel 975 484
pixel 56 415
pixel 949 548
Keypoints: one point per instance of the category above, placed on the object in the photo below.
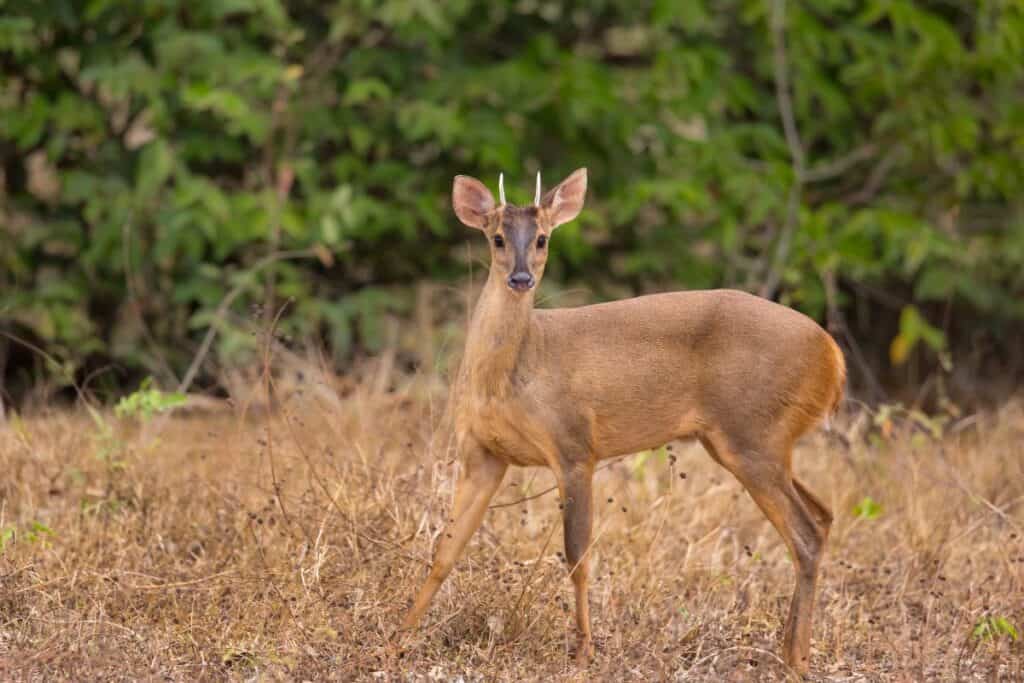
pixel 566 388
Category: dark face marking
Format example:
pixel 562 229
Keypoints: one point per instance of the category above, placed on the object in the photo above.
pixel 519 233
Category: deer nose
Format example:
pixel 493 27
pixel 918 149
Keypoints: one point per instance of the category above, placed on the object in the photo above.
pixel 521 281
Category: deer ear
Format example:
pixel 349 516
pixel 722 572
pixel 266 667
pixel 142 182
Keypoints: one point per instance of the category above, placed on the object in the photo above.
pixel 472 201
pixel 565 200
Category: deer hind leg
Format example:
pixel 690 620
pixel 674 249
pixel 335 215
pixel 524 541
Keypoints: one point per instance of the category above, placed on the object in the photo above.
pixel 481 475
pixel 577 520
pixel 802 521
pixel 820 511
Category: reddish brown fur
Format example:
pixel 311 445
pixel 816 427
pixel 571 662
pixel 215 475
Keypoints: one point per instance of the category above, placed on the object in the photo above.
pixel 565 388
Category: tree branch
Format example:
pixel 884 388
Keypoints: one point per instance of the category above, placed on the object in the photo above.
pixel 830 169
pixel 225 305
pixel 796 150
pixel 875 180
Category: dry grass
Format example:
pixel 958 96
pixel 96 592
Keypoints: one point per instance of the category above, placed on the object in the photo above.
pixel 287 547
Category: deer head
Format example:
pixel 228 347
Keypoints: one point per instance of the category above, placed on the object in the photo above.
pixel 518 235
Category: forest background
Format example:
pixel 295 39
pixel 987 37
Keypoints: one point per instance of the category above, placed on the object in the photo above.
pixel 168 167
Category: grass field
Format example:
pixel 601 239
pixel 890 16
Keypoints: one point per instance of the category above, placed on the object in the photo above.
pixel 241 544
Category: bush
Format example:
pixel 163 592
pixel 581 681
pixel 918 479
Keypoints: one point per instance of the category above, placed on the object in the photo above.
pixel 154 152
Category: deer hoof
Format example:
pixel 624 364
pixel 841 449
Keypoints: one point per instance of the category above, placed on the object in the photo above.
pixel 584 650
pixel 800 666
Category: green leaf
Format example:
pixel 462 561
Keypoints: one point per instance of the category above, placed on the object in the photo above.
pixel 155 165
pixel 18 35
pixel 364 90
pixel 6 537
pixel 914 328
pixel 992 627
pixel 867 508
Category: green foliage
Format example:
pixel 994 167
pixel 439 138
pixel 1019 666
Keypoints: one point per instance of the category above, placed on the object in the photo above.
pixel 37 531
pixel 146 401
pixel 994 627
pixel 153 152
pixel 867 508
pixel 33 532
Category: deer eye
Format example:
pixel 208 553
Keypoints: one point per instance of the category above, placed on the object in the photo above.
pixel 541 241
pixel 499 241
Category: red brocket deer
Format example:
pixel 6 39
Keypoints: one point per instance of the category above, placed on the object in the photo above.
pixel 566 388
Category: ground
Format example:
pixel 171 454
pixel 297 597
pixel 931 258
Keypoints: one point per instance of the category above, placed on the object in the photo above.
pixel 249 544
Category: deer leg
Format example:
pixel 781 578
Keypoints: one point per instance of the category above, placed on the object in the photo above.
pixel 803 523
pixel 820 511
pixel 481 476
pixel 808 533
pixel 577 508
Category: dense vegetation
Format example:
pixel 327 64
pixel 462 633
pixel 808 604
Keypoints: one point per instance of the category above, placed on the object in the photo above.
pixel 864 159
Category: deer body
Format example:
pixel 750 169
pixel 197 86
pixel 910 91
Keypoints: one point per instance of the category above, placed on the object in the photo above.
pixel 565 388
pixel 631 375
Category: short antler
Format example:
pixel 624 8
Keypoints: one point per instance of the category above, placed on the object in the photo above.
pixel 536 197
pixel 501 188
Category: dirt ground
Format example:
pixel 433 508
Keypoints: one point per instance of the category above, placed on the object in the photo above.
pixel 245 545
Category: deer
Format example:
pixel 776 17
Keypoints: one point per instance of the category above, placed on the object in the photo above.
pixel 566 388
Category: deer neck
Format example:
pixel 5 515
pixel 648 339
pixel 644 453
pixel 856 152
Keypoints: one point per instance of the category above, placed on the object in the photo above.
pixel 497 332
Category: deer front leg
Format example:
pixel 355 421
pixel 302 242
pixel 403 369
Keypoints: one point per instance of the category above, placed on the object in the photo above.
pixel 481 476
pixel 577 506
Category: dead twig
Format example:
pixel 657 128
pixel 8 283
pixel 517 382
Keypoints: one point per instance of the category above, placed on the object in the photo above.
pixel 544 492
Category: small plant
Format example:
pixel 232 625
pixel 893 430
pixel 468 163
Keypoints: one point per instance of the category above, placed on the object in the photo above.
pixel 108 446
pixel 37 531
pixel 146 401
pixel 643 457
pixel 867 508
pixel 891 416
pixel 34 532
pixel 993 627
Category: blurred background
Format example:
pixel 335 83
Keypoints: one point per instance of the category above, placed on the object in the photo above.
pixel 177 174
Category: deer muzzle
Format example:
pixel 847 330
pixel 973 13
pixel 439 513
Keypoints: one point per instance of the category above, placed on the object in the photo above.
pixel 521 281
